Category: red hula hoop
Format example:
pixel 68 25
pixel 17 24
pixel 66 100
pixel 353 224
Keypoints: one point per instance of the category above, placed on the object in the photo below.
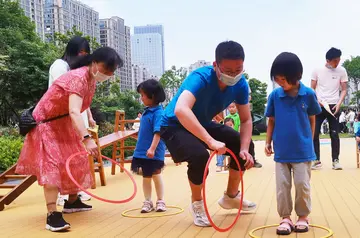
pixel 204 193
pixel 92 195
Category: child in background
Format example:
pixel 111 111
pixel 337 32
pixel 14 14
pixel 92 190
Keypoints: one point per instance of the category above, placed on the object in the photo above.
pixel 235 116
pixel 220 158
pixel 291 110
pixel 149 153
pixel 136 125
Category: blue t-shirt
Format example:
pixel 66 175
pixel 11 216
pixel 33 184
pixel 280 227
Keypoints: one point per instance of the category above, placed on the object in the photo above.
pixel 149 125
pixel 210 100
pixel 292 134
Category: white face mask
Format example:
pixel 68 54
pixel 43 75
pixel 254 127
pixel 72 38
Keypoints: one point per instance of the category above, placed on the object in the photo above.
pixel 228 80
pixel 329 66
pixel 100 77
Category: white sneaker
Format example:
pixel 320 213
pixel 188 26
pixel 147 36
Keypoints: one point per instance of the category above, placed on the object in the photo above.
pixel 147 207
pixel 61 199
pixel 198 212
pixel 336 165
pixel 316 165
pixel 84 196
pixel 227 202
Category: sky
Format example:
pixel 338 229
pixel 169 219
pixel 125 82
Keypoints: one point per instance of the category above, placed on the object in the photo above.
pixel 265 28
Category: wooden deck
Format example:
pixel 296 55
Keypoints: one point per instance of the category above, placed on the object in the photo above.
pixel 336 204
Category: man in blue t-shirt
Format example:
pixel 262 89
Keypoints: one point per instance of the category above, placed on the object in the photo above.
pixel 189 132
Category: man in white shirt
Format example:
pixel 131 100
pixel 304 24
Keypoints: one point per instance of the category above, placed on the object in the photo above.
pixel 326 81
pixel 351 118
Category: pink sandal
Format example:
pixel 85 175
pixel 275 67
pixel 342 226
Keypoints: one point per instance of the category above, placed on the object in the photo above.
pixel 304 223
pixel 285 228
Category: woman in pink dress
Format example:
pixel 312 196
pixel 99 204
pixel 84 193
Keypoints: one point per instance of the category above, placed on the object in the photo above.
pixel 48 145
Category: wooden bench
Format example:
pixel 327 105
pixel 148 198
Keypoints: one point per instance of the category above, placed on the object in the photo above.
pixel 117 140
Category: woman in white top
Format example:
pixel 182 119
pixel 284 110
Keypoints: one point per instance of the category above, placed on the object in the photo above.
pixel 76 47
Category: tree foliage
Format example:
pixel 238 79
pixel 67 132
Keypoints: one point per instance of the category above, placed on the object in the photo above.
pixel 24 61
pixel 171 81
pixel 352 67
pixel 258 95
pixel 60 40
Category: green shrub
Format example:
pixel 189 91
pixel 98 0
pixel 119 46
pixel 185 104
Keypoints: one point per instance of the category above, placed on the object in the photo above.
pixel 10 148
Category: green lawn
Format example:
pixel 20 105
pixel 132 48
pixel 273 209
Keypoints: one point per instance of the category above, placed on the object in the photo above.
pixel 263 136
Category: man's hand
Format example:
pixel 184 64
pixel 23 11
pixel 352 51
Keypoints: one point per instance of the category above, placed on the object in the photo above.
pixel 336 108
pixel 268 150
pixel 249 161
pixel 217 146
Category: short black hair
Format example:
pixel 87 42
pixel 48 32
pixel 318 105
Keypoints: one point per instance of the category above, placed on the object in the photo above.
pixel 229 119
pixel 153 90
pixel 333 53
pixel 288 65
pixel 106 55
pixel 229 50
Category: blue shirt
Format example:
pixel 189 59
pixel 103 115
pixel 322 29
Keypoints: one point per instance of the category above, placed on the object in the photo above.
pixel 149 125
pixel 210 100
pixel 292 134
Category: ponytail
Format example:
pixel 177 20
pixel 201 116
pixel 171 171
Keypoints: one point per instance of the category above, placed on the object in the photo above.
pixel 106 55
pixel 81 61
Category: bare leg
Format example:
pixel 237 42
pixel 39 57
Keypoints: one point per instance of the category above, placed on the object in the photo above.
pixel 195 192
pixel 233 183
pixel 51 193
pixel 73 198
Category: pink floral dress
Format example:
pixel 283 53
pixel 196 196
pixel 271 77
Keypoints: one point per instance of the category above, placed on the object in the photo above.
pixel 49 145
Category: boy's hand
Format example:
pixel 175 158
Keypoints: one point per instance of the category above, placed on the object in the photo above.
pixel 150 153
pixel 217 146
pixel 268 150
pixel 249 161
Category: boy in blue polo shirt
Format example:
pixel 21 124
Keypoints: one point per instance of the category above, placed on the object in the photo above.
pixel 291 110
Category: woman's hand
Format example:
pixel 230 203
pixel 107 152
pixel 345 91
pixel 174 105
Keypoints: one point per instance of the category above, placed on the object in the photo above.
pixel 91 147
pixel 92 122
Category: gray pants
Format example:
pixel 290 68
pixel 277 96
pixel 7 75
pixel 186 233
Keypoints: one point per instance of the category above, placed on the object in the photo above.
pixel 302 174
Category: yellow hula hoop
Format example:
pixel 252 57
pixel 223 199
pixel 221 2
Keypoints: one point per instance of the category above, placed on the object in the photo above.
pixel 155 214
pixel 330 232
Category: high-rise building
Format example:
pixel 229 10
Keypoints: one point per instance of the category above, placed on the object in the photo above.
pixel 34 9
pixel 146 50
pixel 113 33
pixel 63 15
pixel 153 29
pixel 198 64
pixel 127 59
pixel 140 74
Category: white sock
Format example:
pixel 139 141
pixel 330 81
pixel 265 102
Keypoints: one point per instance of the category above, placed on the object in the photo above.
pixel 159 186
pixel 147 188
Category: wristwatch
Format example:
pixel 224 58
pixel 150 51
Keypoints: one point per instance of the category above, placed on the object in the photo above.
pixel 86 137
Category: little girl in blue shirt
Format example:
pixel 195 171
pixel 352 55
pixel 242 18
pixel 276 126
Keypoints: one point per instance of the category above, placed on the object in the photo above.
pixel 150 149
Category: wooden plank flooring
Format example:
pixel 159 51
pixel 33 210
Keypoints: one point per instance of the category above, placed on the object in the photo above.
pixel 335 201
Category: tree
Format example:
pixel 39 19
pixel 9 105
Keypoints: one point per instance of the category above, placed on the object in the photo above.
pixel 60 40
pixel 25 61
pixel 258 95
pixel 352 67
pixel 171 81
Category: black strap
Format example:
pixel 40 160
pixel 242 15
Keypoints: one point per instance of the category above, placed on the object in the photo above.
pixel 54 118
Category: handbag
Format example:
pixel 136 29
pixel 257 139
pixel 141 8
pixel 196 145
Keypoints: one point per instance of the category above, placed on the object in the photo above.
pixel 27 121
